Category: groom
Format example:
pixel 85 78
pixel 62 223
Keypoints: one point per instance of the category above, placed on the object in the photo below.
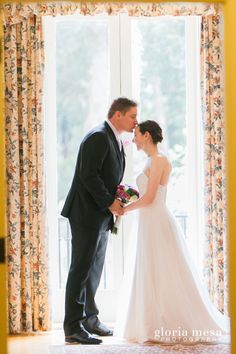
pixel 89 207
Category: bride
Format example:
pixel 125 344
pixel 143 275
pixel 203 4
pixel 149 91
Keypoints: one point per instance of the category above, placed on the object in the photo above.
pixel 167 301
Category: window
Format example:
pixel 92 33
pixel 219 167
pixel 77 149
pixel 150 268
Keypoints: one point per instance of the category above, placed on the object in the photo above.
pixel 89 62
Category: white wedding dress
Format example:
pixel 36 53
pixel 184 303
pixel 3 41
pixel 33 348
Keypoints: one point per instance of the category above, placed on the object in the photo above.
pixel 163 297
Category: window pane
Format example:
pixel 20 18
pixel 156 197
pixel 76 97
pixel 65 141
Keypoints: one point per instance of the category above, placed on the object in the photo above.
pixel 158 59
pixel 82 94
pixel 82 89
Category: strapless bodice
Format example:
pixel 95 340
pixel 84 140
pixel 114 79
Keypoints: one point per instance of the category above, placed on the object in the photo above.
pixel 142 183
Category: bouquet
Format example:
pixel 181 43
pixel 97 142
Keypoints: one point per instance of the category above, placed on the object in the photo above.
pixel 125 194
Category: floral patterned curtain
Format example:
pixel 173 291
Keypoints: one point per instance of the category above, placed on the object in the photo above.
pixel 212 83
pixel 27 259
pixel 27 264
pixel 17 12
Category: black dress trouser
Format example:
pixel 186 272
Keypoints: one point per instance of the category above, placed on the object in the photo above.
pixel 87 260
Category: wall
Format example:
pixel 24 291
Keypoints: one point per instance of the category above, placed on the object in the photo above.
pixel 3 348
pixel 230 64
pixel 230 60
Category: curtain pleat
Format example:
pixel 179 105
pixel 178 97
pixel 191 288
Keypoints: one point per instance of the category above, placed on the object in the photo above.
pixel 27 259
pixel 212 87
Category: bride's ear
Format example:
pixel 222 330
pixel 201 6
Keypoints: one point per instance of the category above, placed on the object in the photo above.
pixel 147 135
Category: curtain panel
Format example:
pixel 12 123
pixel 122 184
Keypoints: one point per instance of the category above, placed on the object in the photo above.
pixel 26 253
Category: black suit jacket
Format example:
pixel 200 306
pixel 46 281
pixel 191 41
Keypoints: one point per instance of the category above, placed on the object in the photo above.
pixel 99 169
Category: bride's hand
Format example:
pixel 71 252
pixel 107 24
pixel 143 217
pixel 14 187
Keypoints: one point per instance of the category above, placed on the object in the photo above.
pixel 126 209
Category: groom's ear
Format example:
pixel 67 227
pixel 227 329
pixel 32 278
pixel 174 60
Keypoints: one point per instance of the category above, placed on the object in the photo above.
pixel 118 114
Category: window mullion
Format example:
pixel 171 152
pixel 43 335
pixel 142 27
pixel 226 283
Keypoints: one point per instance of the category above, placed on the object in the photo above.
pixel 126 55
pixel 194 138
pixel 115 70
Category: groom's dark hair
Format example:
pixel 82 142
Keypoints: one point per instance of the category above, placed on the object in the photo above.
pixel 121 104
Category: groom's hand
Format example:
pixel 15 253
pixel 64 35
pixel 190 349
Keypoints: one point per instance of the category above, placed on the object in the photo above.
pixel 116 208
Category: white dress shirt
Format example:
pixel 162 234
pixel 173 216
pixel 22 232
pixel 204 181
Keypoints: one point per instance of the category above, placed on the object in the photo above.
pixel 117 134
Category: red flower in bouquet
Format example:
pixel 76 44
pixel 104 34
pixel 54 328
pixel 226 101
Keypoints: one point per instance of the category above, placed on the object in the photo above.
pixel 126 194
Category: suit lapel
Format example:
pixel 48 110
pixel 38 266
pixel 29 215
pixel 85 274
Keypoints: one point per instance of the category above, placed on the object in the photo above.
pixel 123 156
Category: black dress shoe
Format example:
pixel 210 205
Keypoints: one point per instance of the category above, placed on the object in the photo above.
pixel 82 337
pixel 98 328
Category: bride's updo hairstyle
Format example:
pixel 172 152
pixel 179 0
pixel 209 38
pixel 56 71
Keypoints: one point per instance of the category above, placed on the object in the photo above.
pixel 153 129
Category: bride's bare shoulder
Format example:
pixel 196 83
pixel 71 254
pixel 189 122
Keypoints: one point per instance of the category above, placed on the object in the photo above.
pixel 161 159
